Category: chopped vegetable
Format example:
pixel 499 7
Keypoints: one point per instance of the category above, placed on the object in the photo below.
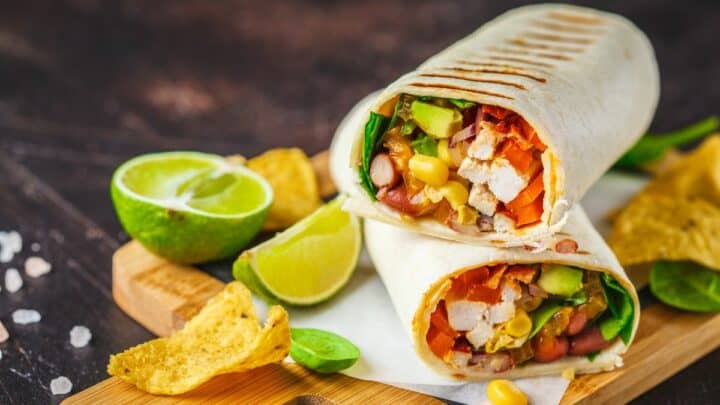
pixel 686 285
pixel 425 145
pixel 461 104
pixel 560 280
pixel 436 121
pixel 543 314
pixel 322 351
pixel 653 147
pixel 374 129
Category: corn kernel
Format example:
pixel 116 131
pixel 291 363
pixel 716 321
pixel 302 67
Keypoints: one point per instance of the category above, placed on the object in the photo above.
pixel 455 193
pixel 568 373
pixel 520 325
pixel 505 392
pixel 466 215
pixel 444 152
pixel 431 170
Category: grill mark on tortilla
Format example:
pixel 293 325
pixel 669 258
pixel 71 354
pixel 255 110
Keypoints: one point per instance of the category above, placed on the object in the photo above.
pixel 537 45
pixel 519 60
pixel 575 18
pixel 554 26
pixel 545 55
pixel 451 87
pixel 507 71
pixel 582 252
pixel 558 38
pixel 472 79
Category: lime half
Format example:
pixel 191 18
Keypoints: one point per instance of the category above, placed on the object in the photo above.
pixel 308 262
pixel 190 207
pixel 322 351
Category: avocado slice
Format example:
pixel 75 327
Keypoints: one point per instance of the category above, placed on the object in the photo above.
pixel 436 121
pixel 560 280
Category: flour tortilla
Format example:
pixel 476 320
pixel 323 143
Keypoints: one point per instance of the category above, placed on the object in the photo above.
pixel 586 80
pixel 416 270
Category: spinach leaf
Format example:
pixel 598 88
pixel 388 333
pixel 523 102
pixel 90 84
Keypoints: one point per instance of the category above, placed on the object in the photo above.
pixel 686 285
pixel 618 320
pixel 374 130
pixel 461 104
pixel 652 147
pixel 542 315
pixel 425 145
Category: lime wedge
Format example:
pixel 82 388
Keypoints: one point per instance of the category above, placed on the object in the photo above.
pixel 308 262
pixel 190 207
pixel 322 351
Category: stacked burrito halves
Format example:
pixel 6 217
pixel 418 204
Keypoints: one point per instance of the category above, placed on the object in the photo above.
pixel 469 170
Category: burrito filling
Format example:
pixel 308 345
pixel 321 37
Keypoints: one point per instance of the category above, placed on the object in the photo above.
pixel 475 168
pixel 498 317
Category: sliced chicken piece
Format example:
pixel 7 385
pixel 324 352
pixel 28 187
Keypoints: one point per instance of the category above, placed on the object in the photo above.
pixel 482 199
pixel 464 315
pixel 501 312
pixel 483 147
pixel 480 335
pixel 503 223
pixel 504 181
pixel 475 170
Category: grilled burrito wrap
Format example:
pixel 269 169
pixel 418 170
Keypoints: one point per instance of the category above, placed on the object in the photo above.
pixel 493 139
pixel 476 312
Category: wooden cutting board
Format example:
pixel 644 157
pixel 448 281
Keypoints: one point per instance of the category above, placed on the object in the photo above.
pixel 162 296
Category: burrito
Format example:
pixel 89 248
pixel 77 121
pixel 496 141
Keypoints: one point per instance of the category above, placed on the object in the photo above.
pixel 479 312
pixel 492 140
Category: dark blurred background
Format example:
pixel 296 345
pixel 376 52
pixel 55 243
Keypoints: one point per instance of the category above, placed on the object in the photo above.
pixel 86 84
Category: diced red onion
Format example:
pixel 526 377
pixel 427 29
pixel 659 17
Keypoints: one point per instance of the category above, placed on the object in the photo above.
pixel 463 134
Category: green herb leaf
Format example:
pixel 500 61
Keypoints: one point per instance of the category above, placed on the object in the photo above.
pixel 374 130
pixel 542 315
pixel 461 104
pixel 408 128
pixel 322 351
pixel 652 147
pixel 686 285
pixel 618 319
pixel 578 298
pixel 425 145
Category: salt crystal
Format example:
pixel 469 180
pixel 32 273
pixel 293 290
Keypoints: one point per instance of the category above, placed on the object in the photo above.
pixel 35 247
pixel 37 266
pixel 10 243
pixel 4 335
pixel 26 316
pixel 60 386
pixel 13 281
pixel 80 336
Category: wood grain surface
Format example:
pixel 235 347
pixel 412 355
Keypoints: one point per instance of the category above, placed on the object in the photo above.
pixel 87 84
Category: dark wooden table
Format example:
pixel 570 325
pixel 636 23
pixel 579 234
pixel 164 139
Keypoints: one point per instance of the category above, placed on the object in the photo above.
pixel 87 84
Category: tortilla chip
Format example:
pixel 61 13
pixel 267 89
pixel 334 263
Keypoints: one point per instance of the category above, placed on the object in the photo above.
pixel 224 337
pixel 677 216
pixel 657 227
pixel 696 175
pixel 291 175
